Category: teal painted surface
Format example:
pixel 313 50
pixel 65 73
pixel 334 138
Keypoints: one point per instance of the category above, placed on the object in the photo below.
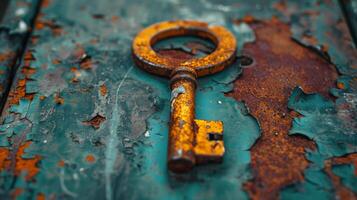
pixel 346 172
pixel 331 124
pixel 323 122
pixel 130 145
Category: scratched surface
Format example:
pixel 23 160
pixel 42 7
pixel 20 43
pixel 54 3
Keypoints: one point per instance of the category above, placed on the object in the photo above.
pixel 82 122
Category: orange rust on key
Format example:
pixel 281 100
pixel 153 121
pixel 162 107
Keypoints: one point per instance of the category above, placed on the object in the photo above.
pixel 213 148
pixel 191 141
pixel 146 58
pixel 181 126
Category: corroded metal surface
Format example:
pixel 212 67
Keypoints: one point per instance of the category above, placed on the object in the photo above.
pixel 72 127
pixel 14 32
pixel 181 156
pixel 209 141
pixel 265 86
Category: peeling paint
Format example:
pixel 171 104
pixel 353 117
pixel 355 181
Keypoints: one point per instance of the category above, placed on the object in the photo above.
pixel 86 46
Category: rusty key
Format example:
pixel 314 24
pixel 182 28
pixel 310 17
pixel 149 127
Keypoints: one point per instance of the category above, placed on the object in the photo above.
pixel 191 141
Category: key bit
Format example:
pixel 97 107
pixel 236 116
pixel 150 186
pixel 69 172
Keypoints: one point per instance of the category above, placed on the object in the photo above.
pixel 191 141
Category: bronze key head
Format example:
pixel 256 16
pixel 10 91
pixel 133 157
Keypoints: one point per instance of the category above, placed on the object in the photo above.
pixel 191 141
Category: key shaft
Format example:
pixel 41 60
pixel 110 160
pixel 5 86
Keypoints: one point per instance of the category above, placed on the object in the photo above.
pixel 182 130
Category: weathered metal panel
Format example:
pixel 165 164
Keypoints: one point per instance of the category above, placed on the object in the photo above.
pixel 82 121
pixel 15 25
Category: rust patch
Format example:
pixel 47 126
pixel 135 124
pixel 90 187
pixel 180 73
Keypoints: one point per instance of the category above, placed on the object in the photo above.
pixel 348 159
pixel 6 56
pixel 61 163
pixel 342 192
pixel 86 63
pixel 280 65
pixel 19 93
pixel 58 99
pixel 4 156
pixel 76 75
pixel 103 90
pixel 45 3
pixel 90 158
pixel 115 19
pixel 41 196
pixel 34 39
pixel 95 122
pixel 20 90
pixel 55 28
pixel 176 54
pixel 147 59
pixel 20 164
pixel 16 193
pixel 29 165
pixel 249 19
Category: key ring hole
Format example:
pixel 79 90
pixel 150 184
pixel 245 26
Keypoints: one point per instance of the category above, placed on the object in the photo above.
pixel 146 58
pixel 184 47
pixel 186 53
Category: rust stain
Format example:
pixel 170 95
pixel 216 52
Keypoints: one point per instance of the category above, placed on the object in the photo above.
pixel 103 90
pixel 86 63
pixel 147 59
pixel 280 65
pixel 28 70
pixel 61 163
pixel 56 61
pixel 14 97
pixel 348 159
pixel 249 19
pixel 19 93
pixel 21 164
pixel 90 158
pixel 340 85
pixel 115 19
pixel 6 56
pixel 4 156
pixel 95 122
pixel 42 97
pixel 40 24
pixel 76 75
pixel 41 196
pixel 209 145
pixel 175 54
pixel 34 39
pixel 28 165
pixel 58 99
pixel 45 3
pixel 342 192
pixel 20 90
pixel 16 193
pixel 181 157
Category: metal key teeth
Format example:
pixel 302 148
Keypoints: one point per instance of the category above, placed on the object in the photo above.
pixel 191 141
pixel 209 145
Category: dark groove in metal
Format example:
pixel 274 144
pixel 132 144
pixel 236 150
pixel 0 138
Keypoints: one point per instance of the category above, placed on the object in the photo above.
pixel 351 18
pixel 3 6
pixel 18 58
